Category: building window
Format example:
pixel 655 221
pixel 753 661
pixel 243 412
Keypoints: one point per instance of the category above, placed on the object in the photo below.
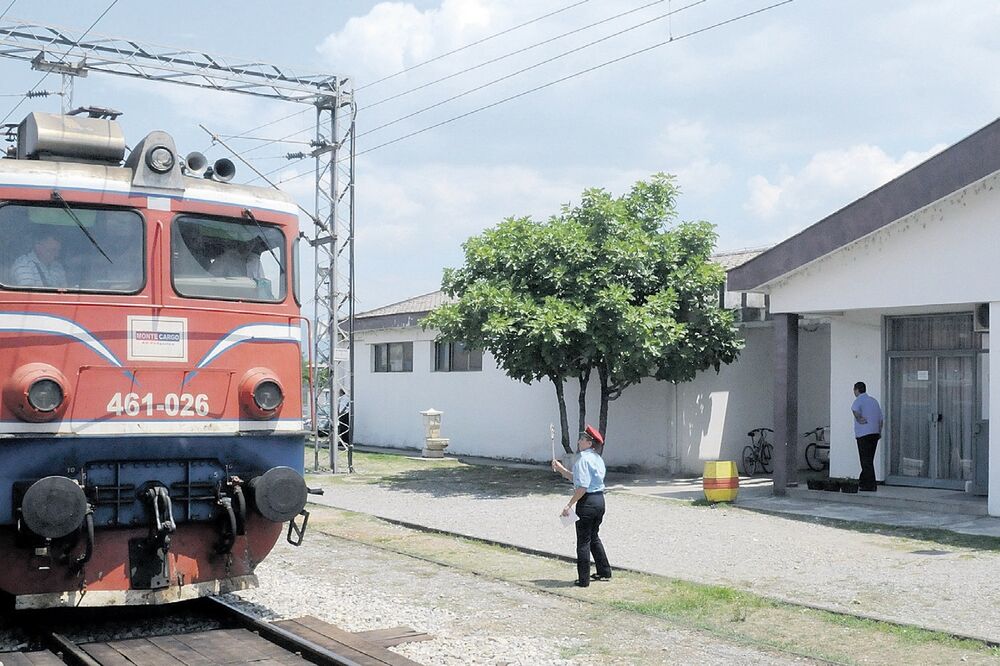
pixel 455 357
pixel 394 357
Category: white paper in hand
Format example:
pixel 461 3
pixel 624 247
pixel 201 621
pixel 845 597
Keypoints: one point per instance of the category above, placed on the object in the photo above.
pixel 569 519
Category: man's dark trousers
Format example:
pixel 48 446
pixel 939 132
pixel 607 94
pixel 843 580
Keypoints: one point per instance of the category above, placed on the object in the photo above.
pixel 866 452
pixel 590 509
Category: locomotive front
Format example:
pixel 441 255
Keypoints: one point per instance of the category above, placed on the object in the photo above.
pixel 151 440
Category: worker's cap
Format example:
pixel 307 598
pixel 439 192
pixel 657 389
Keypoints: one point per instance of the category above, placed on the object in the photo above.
pixel 595 436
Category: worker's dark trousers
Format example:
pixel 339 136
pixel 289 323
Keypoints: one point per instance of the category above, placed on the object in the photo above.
pixel 866 452
pixel 590 509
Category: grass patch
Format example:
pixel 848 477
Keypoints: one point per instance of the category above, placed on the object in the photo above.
pixel 909 635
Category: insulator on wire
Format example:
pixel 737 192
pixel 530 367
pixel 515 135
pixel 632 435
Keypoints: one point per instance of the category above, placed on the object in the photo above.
pixel 39 93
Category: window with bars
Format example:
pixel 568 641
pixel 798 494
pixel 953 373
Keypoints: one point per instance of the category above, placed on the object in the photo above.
pixel 455 357
pixel 393 357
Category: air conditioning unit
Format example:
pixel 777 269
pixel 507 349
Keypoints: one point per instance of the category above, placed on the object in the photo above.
pixel 981 320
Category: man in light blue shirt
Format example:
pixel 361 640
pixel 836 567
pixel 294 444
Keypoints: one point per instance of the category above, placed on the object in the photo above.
pixel 867 430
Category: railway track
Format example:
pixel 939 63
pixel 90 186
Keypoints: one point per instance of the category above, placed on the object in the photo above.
pixel 237 638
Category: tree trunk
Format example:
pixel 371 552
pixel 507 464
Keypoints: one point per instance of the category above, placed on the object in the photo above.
pixel 582 402
pixel 563 417
pixel 602 372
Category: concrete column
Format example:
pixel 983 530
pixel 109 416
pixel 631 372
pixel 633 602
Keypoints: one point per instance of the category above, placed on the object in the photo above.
pixel 993 496
pixel 786 401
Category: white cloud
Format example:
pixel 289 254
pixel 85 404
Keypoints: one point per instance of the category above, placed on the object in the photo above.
pixel 686 151
pixel 830 180
pixel 684 140
pixel 394 35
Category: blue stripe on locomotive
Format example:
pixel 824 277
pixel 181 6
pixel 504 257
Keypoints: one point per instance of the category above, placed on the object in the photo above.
pixel 169 459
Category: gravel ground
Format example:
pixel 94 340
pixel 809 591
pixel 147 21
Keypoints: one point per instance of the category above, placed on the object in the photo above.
pixel 948 588
pixel 473 620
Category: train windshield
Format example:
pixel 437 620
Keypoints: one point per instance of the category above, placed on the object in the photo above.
pixel 234 260
pixel 66 248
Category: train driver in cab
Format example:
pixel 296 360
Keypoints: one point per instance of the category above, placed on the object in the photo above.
pixel 41 267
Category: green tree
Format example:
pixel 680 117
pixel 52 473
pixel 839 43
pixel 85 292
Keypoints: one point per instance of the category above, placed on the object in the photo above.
pixel 612 285
pixel 511 302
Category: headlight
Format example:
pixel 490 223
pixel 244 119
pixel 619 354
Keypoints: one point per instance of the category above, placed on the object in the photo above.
pixel 160 159
pixel 261 395
pixel 267 394
pixel 45 395
pixel 37 392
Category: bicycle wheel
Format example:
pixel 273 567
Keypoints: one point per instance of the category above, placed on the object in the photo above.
pixel 766 453
pixel 812 458
pixel 749 461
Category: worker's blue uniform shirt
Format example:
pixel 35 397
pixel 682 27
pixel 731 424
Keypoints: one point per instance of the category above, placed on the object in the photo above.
pixel 588 471
pixel 869 408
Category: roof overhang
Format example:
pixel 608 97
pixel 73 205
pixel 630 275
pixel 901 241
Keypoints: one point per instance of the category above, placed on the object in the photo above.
pixel 971 159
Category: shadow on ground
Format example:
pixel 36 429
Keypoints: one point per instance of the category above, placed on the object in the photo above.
pixel 481 482
pixel 932 534
pixel 551 584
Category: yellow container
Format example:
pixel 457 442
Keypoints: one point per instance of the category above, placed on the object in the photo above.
pixel 721 481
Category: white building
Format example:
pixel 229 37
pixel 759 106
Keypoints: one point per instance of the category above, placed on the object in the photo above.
pixel 401 370
pixel 908 278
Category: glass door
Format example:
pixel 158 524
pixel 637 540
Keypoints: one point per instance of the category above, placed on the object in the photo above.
pixel 933 399
pixel 932 416
pixel 955 417
pixel 911 405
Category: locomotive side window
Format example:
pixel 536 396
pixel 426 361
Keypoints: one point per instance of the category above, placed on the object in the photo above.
pixel 231 260
pixel 71 249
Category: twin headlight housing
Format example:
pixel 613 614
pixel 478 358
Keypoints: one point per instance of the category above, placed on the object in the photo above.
pixel 38 392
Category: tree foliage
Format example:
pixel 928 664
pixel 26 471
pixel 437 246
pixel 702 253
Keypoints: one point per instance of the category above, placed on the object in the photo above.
pixel 612 284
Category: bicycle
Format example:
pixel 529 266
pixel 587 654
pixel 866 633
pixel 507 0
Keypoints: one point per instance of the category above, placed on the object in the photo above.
pixel 759 453
pixel 818 451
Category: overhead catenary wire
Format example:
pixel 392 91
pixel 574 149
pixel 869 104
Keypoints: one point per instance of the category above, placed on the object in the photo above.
pixel 4 14
pixel 507 76
pixel 250 131
pixel 475 43
pixel 549 84
pixel 669 14
pixel 536 65
pixel 62 59
pixel 519 51
pixel 439 57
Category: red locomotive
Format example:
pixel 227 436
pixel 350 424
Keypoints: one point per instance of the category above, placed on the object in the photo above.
pixel 151 438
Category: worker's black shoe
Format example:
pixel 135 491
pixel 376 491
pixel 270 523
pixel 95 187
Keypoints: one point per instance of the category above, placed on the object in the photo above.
pixel 580 583
pixel 599 577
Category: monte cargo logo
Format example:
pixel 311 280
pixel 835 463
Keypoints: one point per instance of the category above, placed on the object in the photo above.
pixel 156 336
pixel 157 339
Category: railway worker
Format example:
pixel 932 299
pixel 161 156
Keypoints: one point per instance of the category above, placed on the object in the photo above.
pixel 588 496
pixel 41 267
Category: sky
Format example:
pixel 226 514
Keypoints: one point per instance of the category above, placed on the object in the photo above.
pixel 770 122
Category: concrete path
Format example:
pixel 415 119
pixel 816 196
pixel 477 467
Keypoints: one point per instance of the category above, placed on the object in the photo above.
pixel 935 585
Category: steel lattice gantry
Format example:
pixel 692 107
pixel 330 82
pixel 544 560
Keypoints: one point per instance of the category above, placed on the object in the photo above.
pixel 333 240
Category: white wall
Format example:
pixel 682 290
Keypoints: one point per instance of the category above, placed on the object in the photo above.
pixel 943 254
pixel 488 414
pixel 855 356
